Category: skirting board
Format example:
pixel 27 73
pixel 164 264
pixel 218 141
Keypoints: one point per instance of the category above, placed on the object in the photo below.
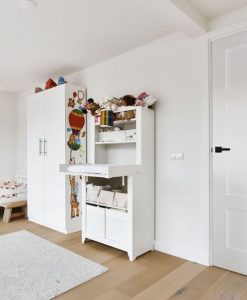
pixel 187 253
pixel 47 225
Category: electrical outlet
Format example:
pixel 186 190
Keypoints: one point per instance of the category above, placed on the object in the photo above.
pixel 180 156
pixel 173 156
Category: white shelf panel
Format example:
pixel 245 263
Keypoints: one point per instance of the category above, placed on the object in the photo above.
pixel 120 122
pixel 111 171
pixel 107 206
pixel 120 142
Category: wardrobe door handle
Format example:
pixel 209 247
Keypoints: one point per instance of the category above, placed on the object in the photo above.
pixel 45 147
pixel 40 147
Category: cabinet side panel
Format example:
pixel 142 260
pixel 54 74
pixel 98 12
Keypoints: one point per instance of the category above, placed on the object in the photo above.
pixel 54 154
pixel 143 213
pixel 76 152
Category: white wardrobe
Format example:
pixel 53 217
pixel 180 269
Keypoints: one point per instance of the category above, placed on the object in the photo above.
pixel 50 195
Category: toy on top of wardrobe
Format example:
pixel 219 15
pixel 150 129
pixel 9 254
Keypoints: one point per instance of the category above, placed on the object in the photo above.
pixel 50 83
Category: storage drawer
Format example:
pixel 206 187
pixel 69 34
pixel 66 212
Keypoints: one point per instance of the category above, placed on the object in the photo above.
pixel 116 226
pixel 95 221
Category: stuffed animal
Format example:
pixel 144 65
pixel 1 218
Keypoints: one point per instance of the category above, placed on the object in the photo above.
pixel 128 100
pixel 38 90
pixel 61 80
pixel 93 107
pixel 146 100
pixel 111 103
pixel 50 83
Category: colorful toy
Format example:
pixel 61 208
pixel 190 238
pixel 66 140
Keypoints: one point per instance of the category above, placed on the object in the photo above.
pixel 111 103
pixel 128 100
pixel 106 118
pixel 38 90
pixel 50 83
pixel 146 99
pixel 61 80
pixel 93 107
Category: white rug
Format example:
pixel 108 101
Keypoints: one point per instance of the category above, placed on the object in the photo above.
pixel 32 268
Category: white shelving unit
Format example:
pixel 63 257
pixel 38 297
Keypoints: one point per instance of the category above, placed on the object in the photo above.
pixel 129 164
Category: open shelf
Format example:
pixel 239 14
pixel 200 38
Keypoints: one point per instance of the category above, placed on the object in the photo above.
pixel 117 142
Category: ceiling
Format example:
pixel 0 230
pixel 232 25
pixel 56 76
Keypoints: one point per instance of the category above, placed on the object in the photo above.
pixel 215 8
pixel 64 36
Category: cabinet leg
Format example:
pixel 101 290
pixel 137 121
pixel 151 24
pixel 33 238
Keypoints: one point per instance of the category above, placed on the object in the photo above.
pixel 83 239
pixel 131 256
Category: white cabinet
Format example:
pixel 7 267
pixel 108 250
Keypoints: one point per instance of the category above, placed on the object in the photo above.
pixel 129 154
pixel 50 194
pixel 127 166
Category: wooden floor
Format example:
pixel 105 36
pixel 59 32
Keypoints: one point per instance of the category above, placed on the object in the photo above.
pixel 152 276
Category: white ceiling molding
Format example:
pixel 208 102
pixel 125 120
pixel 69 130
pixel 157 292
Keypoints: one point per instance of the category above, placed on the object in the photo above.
pixel 185 17
pixel 228 19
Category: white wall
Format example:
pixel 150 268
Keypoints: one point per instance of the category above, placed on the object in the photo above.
pixel 8 115
pixel 174 69
pixel 22 132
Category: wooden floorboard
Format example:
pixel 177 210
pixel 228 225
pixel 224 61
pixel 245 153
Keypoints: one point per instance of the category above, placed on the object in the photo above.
pixel 152 276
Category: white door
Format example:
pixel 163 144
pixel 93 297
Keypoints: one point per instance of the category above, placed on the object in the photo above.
pixel 54 108
pixel 230 167
pixel 35 158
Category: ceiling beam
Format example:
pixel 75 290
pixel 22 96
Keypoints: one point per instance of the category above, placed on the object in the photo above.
pixel 184 17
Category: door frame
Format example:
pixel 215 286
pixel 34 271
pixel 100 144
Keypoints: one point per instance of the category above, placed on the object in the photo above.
pixel 212 38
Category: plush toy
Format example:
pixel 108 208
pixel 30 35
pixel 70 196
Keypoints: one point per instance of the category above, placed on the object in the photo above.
pixel 38 90
pixel 50 83
pixel 111 103
pixel 146 100
pixel 128 100
pixel 93 107
pixel 61 80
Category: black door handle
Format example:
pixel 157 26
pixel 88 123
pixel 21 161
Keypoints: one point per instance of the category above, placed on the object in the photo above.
pixel 219 149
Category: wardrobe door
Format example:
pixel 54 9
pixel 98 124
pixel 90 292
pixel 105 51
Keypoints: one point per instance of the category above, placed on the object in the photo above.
pixel 54 154
pixel 35 158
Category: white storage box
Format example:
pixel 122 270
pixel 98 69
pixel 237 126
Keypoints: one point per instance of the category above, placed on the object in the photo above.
pixel 112 136
pixel 106 197
pixel 92 195
pixel 95 221
pixel 116 226
pixel 120 200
